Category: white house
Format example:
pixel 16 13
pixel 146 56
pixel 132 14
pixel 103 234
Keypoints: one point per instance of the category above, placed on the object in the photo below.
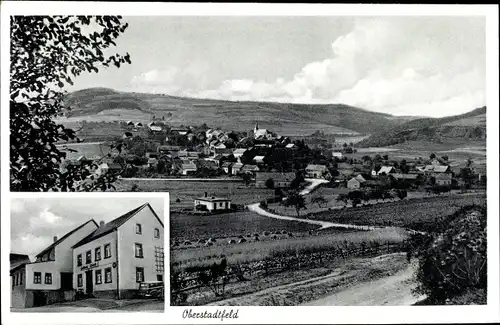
pixel 443 179
pixel 50 278
pixel 386 170
pixel 337 154
pixel 155 128
pixel 353 183
pixel 117 256
pixel 317 171
pixel 239 152
pixel 212 203
pixel 259 159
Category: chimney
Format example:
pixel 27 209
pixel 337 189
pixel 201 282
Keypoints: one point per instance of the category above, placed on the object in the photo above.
pixel 55 239
pixel 101 223
pixel 206 194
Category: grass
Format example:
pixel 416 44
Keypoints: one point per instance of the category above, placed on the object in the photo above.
pixel 193 227
pixel 255 251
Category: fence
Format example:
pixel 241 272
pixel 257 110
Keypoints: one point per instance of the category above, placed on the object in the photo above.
pixel 188 280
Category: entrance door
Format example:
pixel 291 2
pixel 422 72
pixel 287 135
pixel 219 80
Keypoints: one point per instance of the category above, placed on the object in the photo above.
pixel 89 285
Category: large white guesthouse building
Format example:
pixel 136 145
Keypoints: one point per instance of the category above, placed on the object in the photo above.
pixel 105 260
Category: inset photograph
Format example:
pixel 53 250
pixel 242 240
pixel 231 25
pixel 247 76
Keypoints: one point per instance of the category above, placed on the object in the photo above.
pixel 87 254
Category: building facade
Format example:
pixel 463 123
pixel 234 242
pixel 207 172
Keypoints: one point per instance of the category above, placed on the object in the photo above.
pixel 212 203
pixel 114 259
pixel 49 278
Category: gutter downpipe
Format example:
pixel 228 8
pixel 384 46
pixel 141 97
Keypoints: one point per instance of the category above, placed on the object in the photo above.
pixel 117 266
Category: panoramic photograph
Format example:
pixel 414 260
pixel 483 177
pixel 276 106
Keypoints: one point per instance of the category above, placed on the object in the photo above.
pixel 85 255
pixel 321 161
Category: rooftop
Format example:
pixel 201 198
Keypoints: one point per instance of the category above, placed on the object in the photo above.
pixel 113 224
pixel 213 199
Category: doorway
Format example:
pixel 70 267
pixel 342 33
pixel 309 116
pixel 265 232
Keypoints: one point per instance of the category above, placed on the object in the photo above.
pixel 89 285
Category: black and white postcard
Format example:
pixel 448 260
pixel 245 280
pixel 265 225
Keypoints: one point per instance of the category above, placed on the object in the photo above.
pixel 337 162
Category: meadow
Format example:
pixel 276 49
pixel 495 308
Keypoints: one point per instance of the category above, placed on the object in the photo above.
pixel 184 226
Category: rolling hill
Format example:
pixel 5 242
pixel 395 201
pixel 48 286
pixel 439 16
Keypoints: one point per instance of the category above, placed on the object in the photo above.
pixel 468 126
pixel 283 118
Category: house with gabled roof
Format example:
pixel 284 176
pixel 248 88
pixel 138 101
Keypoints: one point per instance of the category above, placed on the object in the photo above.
pixel 386 170
pixel 49 278
pixel 117 256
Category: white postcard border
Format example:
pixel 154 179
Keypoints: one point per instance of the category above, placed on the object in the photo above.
pixel 264 315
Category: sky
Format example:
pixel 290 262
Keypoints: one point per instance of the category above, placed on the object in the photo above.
pixel 35 221
pixel 432 66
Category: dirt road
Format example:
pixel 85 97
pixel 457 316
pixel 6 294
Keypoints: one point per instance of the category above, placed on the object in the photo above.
pixel 394 290
pixel 347 285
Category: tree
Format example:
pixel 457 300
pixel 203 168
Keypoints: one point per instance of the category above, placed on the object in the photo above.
pixel 401 193
pixel 342 198
pixel 247 178
pixel 319 200
pixel 432 155
pixel 48 52
pixel 216 277
pixel 296 200
pixel 269 183
pixel 386 157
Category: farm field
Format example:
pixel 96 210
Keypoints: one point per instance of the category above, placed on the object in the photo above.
pixel 187 191
pixel 330 195
pixel 406 213
pixel 185 226
pixel 256 251
pixel 457 150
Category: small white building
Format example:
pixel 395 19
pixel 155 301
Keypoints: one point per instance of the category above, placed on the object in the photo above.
pixel 117 256
pixel 353 184
pixel 259 159
pixel 212 203
pixel 386 170
pixel 237 153
pixel 317 171
pixel 443 179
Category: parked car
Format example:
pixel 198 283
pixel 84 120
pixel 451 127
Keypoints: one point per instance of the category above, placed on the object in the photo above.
pixel 152 289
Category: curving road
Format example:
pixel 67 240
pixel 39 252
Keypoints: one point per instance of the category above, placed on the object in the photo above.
pixel 324 224
pixel 313 183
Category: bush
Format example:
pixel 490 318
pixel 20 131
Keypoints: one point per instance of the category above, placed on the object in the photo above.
pixel 452 258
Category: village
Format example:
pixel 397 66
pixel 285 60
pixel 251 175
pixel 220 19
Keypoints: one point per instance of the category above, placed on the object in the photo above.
pixel 263 159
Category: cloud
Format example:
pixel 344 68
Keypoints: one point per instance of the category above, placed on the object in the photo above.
pixel 34 222
pixel 405 66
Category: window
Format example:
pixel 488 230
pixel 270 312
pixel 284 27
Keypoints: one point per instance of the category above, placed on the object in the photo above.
pixel 138 228
pixel 14 280
pixel 107 251
pixel 80 280
pixel 38 277
pixel 79 260
pixel 98 277
pixel 107 275
pixel 97 254
pixel 138 250
pixel 157 233
pixel 139 274
pixel 159 259
pixel 88 257
pixel 48 278
pixel 159 277
pixel 21 276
